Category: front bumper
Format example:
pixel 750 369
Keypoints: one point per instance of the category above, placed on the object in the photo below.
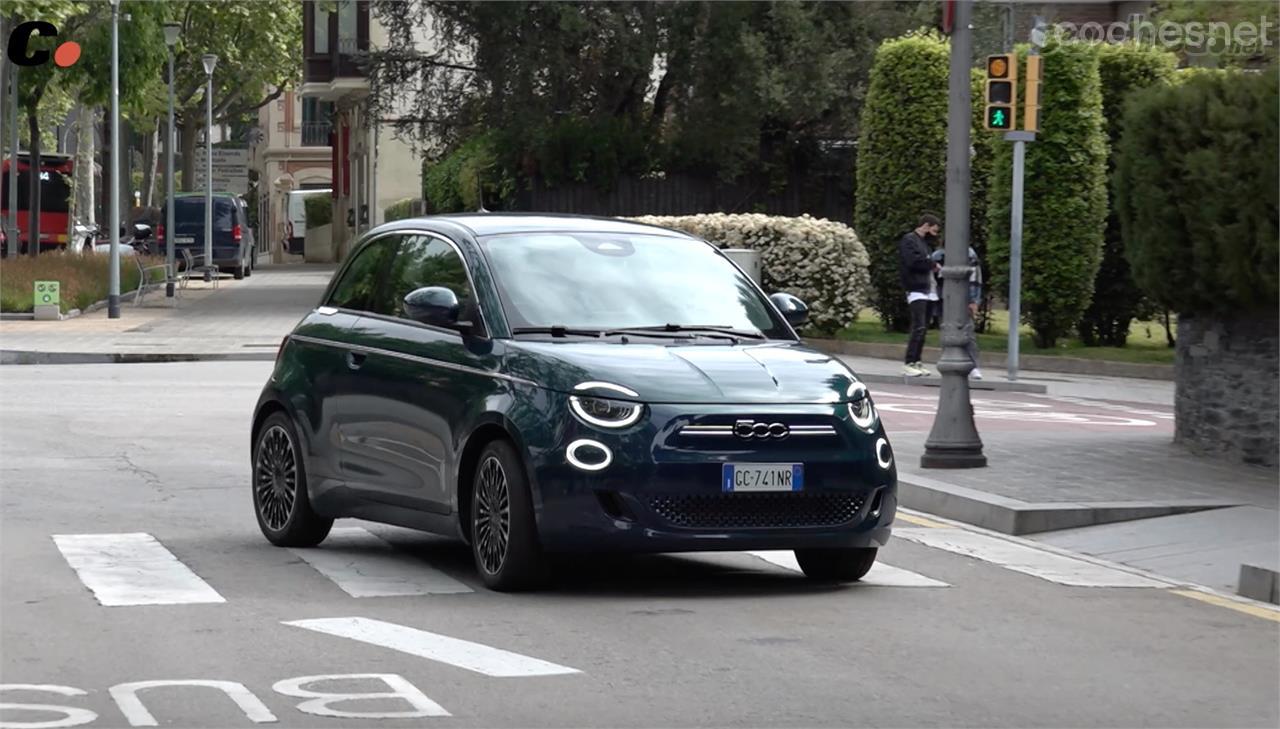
pixel 663 493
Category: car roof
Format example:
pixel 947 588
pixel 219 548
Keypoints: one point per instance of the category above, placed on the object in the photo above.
pixel 485 224
pixel 200 196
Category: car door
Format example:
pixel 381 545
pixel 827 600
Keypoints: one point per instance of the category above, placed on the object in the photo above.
pixel 421 385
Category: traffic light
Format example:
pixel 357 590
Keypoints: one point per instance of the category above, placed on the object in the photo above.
pixel 1002 92
pixel 1031 105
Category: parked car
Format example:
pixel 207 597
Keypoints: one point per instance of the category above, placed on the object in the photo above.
pixel 234 250
pixel 538 384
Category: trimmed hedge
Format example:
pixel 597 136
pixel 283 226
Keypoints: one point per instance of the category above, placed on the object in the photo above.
pixel 319 210
pixel 1065 196
pixel 399 210
pixel 1124 70
pixel 453 184
pixel 902 158
pixel 1196 188
pixel 818 260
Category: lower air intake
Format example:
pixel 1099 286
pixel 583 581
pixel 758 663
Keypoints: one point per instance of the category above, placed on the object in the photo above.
pixel 757 511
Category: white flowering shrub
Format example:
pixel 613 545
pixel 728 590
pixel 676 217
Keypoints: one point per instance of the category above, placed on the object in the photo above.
pixel 818 260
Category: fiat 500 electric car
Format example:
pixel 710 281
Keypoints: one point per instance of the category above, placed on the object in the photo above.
pixel 539 384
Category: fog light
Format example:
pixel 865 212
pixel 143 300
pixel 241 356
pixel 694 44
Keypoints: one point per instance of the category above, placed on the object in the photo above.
pixel 884 454
pixel 588 455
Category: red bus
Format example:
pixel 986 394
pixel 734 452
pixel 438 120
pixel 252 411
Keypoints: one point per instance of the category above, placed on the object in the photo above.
pixel 55 199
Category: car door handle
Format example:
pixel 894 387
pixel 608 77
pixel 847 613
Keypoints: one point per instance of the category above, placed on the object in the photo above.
pixel 355 360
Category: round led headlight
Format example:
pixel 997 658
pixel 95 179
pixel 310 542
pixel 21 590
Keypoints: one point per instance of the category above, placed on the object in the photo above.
pixel 861 411
pixel 601 411
pixel 884 454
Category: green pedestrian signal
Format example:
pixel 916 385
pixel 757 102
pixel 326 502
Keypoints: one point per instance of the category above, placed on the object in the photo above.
pixel 999 117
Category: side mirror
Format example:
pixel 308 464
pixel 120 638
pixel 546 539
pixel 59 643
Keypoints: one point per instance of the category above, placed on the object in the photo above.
pixel 795 311
pixel 141 231
pixel 434 305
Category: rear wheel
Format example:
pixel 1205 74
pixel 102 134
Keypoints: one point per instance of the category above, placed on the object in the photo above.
pixel 836 565
pixel 280 498
pixel 238 273
pixel 504 535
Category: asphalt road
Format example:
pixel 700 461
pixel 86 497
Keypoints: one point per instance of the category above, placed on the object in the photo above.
pixel 995 638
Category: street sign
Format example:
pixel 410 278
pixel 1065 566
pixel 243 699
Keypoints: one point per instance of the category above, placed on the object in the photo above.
pixel 230 171
pixel 48 293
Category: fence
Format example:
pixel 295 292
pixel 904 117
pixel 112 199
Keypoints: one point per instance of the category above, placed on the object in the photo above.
pixel 823 196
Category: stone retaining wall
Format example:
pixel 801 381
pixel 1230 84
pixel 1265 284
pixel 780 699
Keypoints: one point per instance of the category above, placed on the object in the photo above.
pixel 1228 387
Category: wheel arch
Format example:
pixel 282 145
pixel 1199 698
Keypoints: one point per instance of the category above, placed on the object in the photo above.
pixel 492 427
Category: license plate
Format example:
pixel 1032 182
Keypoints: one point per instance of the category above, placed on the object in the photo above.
pixel 762 477
pixel 184 239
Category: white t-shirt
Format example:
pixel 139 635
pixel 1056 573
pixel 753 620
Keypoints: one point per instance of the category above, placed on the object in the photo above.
pixel 931 296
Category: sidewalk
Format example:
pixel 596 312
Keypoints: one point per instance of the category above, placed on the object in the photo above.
pixel 1128 495
pixel 238 320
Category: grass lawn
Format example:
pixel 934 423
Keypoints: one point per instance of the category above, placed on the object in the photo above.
pixel 84 279
pixel 1146 343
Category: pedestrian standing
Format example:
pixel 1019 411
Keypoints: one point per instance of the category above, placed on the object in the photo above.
pixel 916 268
pixel 974 298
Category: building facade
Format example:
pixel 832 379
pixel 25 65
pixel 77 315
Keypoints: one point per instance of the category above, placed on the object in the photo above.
pixel 370 167
pixel 292 152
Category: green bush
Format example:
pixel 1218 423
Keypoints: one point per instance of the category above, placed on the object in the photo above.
pixel 453 184
pixel 1124 70
pixel 1065 197
pixel 399 210
pixel 980 170
pixel 1196 188
pixel 902 155
pixel 319 210
pixel 84 279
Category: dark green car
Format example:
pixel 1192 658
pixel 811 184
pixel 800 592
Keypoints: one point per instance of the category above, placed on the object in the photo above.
pixel 537 384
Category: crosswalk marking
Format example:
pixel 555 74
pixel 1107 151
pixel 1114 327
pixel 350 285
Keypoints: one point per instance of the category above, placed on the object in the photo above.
pixel 1022 558
pixel 132 569
pixel 880 574
pixel 364 565
pixel 433 646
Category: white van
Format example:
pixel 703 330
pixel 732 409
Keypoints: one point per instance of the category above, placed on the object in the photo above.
pixel 296 218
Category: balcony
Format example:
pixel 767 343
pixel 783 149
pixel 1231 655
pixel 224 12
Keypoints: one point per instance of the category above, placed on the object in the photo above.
pixel 316 134
pixel 333 42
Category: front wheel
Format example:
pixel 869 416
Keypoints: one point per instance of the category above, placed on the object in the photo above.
pixel 836 565
pixel 504 535
pixel 280 498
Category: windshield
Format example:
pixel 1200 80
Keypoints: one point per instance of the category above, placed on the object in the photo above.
pixel 605 281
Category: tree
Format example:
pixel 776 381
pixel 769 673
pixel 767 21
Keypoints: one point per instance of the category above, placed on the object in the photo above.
pixel 259 49
pixel 1124 70
pixel 1065 197
pixel 902 158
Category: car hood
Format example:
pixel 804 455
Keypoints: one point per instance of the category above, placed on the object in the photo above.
pixel 675 373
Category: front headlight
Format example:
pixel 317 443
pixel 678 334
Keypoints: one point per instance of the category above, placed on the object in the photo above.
pixel 861 411
pixel 604 412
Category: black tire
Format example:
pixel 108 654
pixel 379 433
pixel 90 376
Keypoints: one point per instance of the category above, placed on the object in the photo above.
pixel 283 505
pixel 836 565
pixel 512 561
pixel 238 272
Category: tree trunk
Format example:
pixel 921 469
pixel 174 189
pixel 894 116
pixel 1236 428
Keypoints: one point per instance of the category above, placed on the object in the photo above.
pixel 33 176
pixel 149 166
pixel 86 119
pixel 190 129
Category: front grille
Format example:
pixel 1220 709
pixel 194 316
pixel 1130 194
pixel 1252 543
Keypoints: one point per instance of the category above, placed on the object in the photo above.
pixel 757 511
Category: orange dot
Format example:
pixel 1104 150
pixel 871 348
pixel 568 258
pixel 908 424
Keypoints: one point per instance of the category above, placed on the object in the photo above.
pixel 999 67
pixel 67 54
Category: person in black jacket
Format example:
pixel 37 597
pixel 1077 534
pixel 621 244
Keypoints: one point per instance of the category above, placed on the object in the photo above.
pixel 916 268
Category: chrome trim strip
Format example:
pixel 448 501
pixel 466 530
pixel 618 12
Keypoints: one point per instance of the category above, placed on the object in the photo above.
pixel 413 358
pixel 727 430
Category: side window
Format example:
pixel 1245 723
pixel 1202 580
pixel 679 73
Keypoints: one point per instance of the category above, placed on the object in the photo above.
pixel 359 283
pixel 427 261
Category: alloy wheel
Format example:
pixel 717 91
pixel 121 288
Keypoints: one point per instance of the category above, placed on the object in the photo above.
pixel 276 477
pixel 492 520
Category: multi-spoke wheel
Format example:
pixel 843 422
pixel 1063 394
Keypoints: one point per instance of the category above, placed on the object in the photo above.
pixel 504 536
pixel 280 488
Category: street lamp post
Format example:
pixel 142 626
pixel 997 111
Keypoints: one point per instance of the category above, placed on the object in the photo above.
pixel 209 60
pixel 953 442
pixel 171 32
pixel 113 281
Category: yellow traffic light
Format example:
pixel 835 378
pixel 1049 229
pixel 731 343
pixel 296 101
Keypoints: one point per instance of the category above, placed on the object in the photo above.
pixel 1002 92
pixel 1031 109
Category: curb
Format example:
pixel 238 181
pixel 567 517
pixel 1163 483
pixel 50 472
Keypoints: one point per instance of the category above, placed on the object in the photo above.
pixel 1259 583
pixel 1037 363
pixel 989 385
pixel 1011 516
pixel 20 357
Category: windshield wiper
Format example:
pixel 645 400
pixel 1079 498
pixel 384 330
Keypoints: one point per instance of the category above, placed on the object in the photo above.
pixel 718 331
pixel 558 331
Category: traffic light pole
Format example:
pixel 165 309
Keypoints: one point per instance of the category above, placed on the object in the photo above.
pixel 1019 140
pixel 953 441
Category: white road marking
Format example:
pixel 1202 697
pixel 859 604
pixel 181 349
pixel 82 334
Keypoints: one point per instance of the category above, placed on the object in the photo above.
pixel 1028 560
pixel 880 575
pixel 364 565
pixel 319 703
pixel 72 716
pixel 132 569
pixel 435 647
pixel 130 704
